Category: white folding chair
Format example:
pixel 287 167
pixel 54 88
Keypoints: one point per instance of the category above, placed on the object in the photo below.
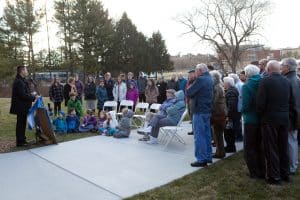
pixel 141 118
pixel 155 106
pixel 171 132
pixel 110 104
pixel 125 103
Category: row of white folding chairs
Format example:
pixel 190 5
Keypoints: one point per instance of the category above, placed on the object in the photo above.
pixel 144 107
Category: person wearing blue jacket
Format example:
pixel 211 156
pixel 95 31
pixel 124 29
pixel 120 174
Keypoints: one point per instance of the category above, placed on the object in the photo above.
pixel 174 113
pixel 101 94
pixel 60 123
pixel 182 82
pixel 73 122
pixel 201 94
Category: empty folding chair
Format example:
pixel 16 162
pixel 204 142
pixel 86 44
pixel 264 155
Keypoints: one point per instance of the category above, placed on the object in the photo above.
pixel 171 132
pixel 140 117
pixel 110 104
pixel 155 107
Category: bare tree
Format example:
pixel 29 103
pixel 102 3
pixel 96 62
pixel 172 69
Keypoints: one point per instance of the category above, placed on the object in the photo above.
pixel 227 24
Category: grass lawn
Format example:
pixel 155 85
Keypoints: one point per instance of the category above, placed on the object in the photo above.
pixel 225 179
pixel 8 124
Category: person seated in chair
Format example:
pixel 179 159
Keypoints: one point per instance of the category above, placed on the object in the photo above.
pixel 174 113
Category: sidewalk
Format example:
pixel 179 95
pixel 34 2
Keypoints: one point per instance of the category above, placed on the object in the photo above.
pixel 98 167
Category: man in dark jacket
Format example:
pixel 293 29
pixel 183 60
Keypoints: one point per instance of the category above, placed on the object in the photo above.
pixel 173 84
pixel 288 69
pixel 201 93
pixel 142 83
pixel 162 87
pixel 20 103
pixel 273 104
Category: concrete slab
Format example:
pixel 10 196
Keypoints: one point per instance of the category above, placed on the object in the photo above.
pixel 95 168
pixel 123 166
pixel 26 176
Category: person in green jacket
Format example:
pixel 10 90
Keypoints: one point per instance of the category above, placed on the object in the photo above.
pixel 253 149
pixel 74 103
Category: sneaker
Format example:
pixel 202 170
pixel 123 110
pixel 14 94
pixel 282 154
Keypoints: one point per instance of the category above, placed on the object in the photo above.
pixel 152 140
pixel 147 129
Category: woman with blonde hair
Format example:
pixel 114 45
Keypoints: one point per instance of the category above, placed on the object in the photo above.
pixel 69 88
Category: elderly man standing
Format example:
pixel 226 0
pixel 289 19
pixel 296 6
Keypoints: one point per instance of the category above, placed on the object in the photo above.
pixel 288 69
pixel 201 93
pixel 272 104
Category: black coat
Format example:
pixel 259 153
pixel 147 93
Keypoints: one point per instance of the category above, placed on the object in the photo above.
pixel 173 85
pixel 22 98
pixel 295 110
pixel 232 99
pixel 90 91
pixel 273 100
pixel 162 87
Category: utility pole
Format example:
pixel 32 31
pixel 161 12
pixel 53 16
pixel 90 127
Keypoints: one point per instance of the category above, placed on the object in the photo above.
pixel 48 37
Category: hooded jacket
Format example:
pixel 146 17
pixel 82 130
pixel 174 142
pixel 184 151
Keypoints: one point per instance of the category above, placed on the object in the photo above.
pixel 125 121
pixel 113 123
pixel 175 111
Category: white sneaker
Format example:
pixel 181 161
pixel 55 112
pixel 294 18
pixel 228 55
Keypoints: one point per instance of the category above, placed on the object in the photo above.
pixel 152 140
pixel 147 129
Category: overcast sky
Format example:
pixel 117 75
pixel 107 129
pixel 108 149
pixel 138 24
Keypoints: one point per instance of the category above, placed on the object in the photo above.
pixel 281 27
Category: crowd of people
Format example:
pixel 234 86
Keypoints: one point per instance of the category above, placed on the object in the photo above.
pixel 106 89
pixel 263 100
pixel 267 99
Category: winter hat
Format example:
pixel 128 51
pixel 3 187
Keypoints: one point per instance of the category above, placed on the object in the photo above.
pixel 62 113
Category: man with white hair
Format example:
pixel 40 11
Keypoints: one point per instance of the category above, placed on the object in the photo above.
pixel 272 104
pixel 201 93
pixel 288 69
pixel 233 117
pixel 253 148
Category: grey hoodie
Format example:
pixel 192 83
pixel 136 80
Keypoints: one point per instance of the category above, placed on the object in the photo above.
pixel 124 125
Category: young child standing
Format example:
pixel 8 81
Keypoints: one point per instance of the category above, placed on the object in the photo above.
pixel 123 130
pixel 60 123
pixel 89 122
pixel 110 124
pixel 101 94
pixel 72 122
pixel 75 103
pixel 101 119
pixel 132 93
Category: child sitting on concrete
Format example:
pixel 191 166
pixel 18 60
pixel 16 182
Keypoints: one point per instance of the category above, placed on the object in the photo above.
pixel 110 124
pixel 101 119
pixel 89 122
pixel 123 129
pixel 60 123
pixel 72 122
